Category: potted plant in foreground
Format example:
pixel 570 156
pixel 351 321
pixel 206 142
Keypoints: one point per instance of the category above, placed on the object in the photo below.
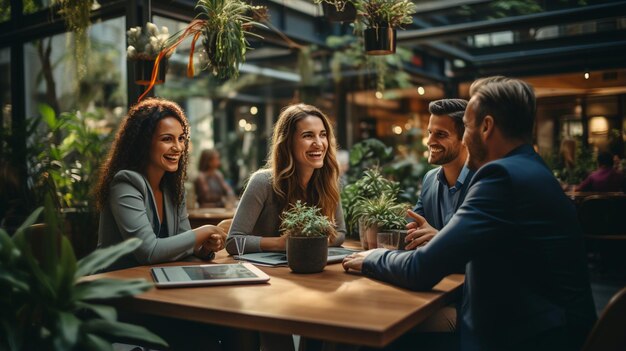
pixel 308 232
pixel 382 17
pixel 46 304
pixel 382 214
pixel 144 45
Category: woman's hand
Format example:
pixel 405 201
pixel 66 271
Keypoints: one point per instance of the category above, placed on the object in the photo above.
pixel 209 238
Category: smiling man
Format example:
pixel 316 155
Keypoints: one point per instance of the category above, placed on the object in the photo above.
pixel 443 188
pixel 526 282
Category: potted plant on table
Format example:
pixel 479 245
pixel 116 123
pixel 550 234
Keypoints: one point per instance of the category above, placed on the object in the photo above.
pixel 144 45
pixel 46 304
pixel 382 215
pixel 370 186
pixel 308 232
pixel 382 17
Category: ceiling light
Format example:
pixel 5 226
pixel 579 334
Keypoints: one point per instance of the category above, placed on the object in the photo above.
pixel 586 75
pixel 421 90
pixel 254 110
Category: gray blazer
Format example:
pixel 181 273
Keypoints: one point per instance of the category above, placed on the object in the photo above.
pixel 131 213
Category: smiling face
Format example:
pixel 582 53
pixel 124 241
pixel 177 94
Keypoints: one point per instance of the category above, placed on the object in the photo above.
pixel 443 142
pixel 310 143
pixel 167 147
pixel 476 148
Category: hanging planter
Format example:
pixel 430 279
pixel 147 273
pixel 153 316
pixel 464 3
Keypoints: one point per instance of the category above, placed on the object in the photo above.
pixel 339 11
pixel 381 18
pixel 144 46
pixel 143 70
pixel 224 26
pixel 380 41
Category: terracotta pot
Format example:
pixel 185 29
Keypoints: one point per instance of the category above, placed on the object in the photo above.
pixel 347 14
pixel 307 254
pixel 363 235
pixel 380 41
pixel 143 71
pixel 371 234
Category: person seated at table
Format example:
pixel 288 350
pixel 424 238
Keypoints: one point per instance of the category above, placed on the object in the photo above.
pixel 210 186
pixel 605 178
pixel 443 188
pixel 302 165
pixel 526 282
pixel 141 190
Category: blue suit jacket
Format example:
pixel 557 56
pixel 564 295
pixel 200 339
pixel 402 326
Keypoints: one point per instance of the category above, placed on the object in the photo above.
pixel 429 203
pixel 526 270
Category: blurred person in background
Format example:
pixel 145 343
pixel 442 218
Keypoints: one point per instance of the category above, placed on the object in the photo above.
pixel 210 186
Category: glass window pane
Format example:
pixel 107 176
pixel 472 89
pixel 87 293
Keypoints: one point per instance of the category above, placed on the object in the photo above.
pixel 5 87
pixel 32 6
pixel 5 10
pixel 51 75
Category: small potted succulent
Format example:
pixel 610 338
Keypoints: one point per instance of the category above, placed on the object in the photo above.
pixel 308 233
pixel 144 45
pixel 338 10
pixel 381 214
pixel 382 17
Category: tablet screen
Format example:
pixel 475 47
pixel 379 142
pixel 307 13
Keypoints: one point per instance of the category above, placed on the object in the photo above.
pixel 208 274
pixel 218 272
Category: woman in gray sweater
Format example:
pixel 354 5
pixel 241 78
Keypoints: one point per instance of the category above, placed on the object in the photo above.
pixel 141 189
pixel 302 165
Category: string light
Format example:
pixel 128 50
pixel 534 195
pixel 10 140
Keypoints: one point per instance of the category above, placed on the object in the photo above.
pixel 379 95
pixel 586 75
pixel 421 91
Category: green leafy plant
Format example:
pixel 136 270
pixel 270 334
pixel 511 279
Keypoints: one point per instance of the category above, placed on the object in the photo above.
pixel 370 186
pixel 46 304
pixel 146 44
pixel 385 13
pixel 301 220
pixel 72 150
pixel 224 26
pixel 383 212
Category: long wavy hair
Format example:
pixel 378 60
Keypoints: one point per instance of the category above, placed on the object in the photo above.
pixel 323 188
pixel 131 148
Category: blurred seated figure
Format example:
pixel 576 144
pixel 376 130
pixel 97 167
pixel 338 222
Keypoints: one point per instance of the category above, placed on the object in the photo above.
pixel 210 185
pixel 605 178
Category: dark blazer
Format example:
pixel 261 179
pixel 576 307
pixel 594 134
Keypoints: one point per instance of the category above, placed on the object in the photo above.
pixel 526 276
pixel 429 203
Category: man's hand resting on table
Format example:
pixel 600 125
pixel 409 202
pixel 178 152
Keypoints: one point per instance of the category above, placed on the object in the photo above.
pixel 355 261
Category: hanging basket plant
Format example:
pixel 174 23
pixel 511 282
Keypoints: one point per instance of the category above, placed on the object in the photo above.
pixel 144 45
pixel 339 10
pixel 224 26
pixel 381 18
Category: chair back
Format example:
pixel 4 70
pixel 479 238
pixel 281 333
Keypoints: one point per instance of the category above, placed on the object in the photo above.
pixel 609 332
pixel 603 216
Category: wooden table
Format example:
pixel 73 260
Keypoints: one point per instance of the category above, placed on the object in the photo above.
pixel 202 216
pixel 579 196
pixel 332 305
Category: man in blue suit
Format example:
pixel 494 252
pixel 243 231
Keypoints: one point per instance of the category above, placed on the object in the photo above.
pixel 526 283
pixel 443 188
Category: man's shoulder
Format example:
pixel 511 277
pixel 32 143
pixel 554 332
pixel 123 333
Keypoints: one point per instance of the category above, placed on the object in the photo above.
pixel 432 174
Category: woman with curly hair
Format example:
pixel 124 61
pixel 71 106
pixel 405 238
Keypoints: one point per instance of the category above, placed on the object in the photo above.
pixel 141 191
pixel 302 165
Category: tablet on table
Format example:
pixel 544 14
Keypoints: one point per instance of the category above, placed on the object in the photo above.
pixel 207 274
